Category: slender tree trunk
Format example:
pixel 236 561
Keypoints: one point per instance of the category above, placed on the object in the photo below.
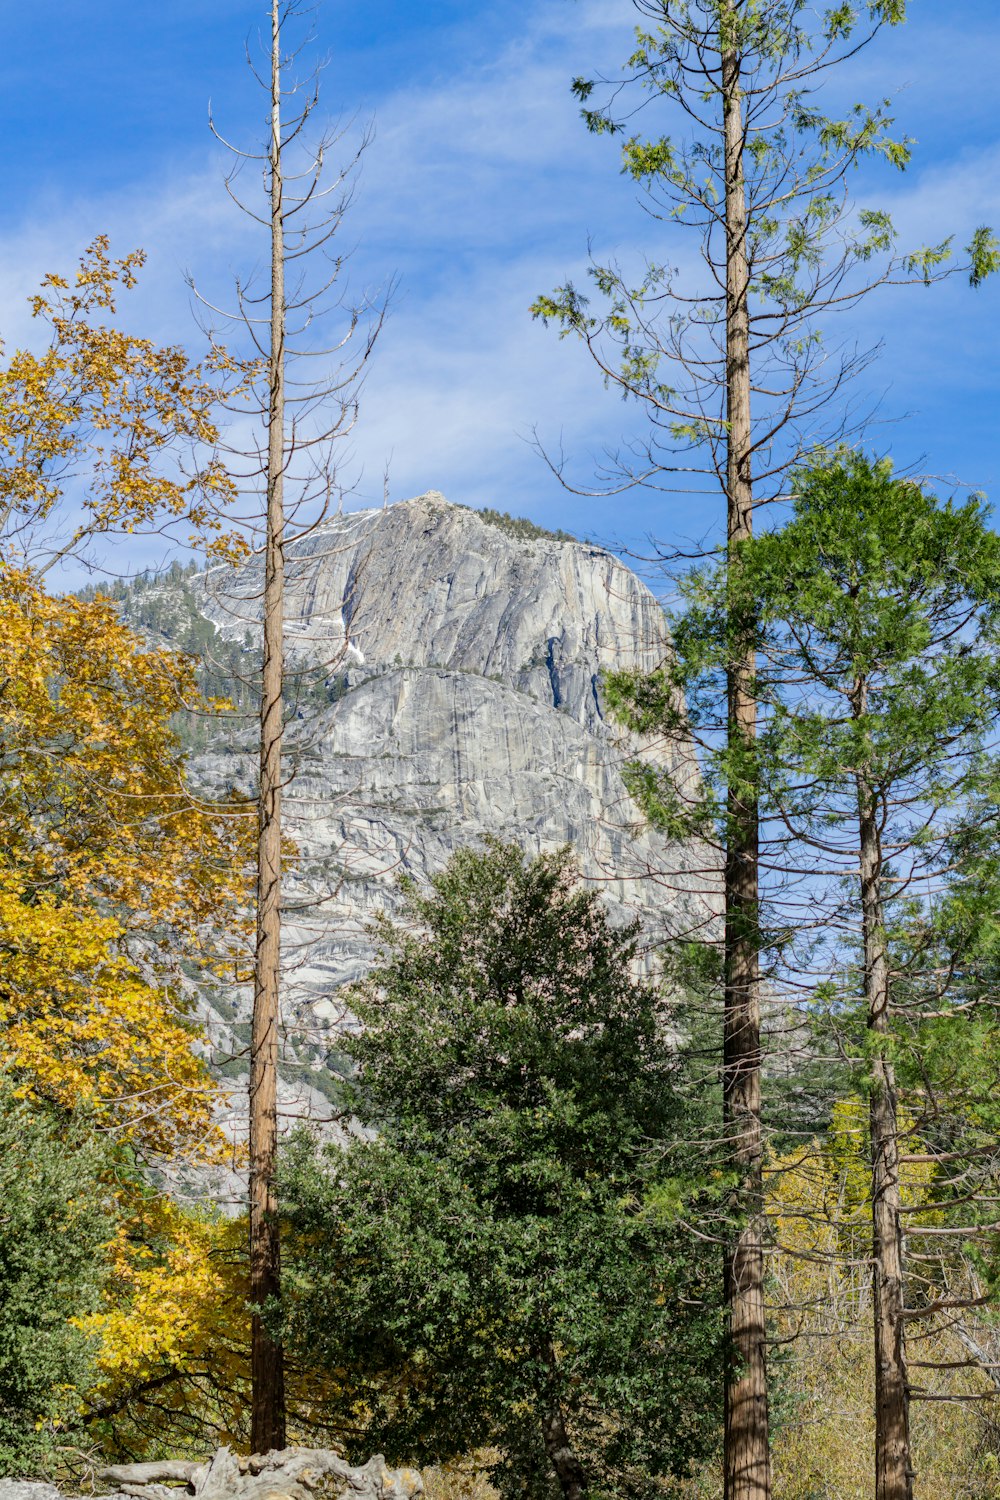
pixel 747 1451
pixel 569 1470
pixel 267 1364
pixel 893 1472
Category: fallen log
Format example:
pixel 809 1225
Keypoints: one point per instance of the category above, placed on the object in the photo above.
pixel 289 1474
pixel 170 1471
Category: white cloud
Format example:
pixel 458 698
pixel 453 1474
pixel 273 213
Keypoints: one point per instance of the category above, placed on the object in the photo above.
pixel 480 190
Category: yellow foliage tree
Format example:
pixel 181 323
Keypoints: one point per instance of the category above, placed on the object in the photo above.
pixel 173 1337
pixel 120 887
pixel 173 1361
pixel 124 429
pixel 114 875
pixel 82 1028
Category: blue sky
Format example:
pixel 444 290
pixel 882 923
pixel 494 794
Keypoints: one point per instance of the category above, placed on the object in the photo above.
pixel 481 189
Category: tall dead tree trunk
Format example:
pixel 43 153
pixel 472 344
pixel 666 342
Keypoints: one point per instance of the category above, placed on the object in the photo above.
pixel 747 1451
pixel 267 1364
pixel 304 416
pixel 893 1467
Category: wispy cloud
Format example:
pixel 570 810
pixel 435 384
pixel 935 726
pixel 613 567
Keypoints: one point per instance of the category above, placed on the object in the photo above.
pixel 480 191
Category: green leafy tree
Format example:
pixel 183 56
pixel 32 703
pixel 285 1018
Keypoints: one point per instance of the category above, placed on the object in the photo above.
pixel 729 365
pixel 875 617
pixel 57 1218
pixel 506 1263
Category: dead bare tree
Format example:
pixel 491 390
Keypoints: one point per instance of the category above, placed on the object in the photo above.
pixel 301 422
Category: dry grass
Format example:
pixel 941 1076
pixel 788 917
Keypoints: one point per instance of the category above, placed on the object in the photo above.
pixel 463 1479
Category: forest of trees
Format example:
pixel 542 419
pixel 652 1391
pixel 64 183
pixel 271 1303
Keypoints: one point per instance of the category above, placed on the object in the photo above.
pixel 726 1229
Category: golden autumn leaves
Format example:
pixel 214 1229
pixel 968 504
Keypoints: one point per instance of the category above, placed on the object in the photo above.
pixel 120 430
pixel 120 887
pixel 112 870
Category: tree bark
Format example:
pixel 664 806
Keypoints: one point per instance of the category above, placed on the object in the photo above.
pixel 747 1450
pixel 569 1470
pixel 267 1363
pixel 893 1469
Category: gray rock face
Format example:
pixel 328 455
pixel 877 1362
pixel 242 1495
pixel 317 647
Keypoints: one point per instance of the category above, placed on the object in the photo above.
pixel 465 663
pixel 428 584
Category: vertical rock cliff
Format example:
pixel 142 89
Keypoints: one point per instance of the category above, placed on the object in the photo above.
pixel 449 671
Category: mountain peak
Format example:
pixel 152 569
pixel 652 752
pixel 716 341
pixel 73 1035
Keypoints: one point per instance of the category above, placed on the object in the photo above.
pixel 445 683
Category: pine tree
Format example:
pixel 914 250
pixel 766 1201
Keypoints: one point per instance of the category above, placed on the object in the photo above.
pixel 731 370
pixel 875 614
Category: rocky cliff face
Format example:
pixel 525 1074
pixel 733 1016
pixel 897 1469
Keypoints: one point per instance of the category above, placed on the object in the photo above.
pixel 460 668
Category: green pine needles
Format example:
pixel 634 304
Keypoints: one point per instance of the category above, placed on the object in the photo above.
pixel 773 233
pixel 873 620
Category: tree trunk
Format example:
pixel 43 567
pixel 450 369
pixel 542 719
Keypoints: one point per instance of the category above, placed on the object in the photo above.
pixel 893 1471
pixel 747 1455
pixel 267 1364
pixel 569 1470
